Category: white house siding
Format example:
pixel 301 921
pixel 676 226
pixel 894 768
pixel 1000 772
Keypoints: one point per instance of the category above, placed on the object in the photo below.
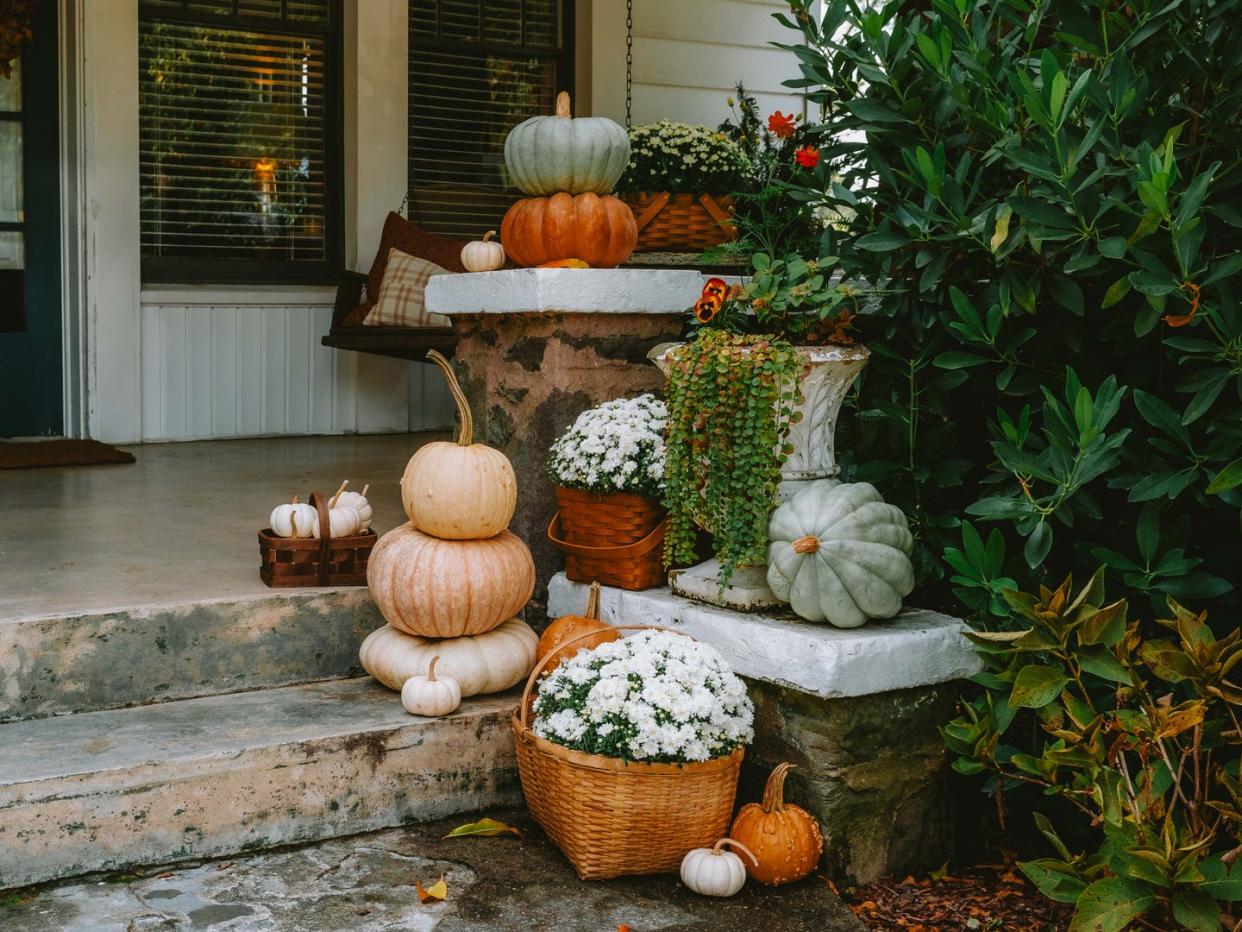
pixel 688 56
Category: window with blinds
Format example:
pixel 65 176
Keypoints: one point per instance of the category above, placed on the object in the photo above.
pixel 477 69
pixel 239 140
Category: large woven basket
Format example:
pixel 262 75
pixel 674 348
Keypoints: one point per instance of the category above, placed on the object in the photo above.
pixel 681 222
pixel 308 561
pixel 616 538
pixel 612 818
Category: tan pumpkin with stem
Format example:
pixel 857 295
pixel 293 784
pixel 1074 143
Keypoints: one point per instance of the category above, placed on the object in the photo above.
pixel 568 627
pixel 440 588
pixel 462 490
pixel 785 838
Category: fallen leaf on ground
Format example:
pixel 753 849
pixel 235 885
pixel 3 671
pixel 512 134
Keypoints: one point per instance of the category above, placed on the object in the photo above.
pixel 437 891
pixel 484 828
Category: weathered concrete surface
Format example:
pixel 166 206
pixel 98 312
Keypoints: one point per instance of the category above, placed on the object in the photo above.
pixel 530 375
pixel 366 884
pixel 222 774
pixel 872 769
pixel 917 648
pixel 84 663
pixel 580 291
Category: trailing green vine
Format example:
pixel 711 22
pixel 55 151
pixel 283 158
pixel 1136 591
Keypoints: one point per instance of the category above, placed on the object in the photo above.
pixel 731 400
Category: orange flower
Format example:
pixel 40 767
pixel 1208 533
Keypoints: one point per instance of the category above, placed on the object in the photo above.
pixel 781 125
pixel 706 308
pixel 807 156
pixel 1181 320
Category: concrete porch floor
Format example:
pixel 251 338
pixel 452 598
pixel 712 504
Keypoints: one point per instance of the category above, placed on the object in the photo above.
pixel 176 527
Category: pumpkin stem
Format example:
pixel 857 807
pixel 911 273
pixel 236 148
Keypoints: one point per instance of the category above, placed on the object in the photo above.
pixel 736 844
pixel 562 104
pixel 774 790
pixel 431 669
pixel 294 500
pixel 808 544
pixel 592 609
pixel 487 237
pixel 365 488
pixel 293 522
pixel 332 503
pixel 466 434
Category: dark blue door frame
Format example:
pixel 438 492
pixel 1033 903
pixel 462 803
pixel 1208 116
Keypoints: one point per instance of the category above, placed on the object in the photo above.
pixel 32 360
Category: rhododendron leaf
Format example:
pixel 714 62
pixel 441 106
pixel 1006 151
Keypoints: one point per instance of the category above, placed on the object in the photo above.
pixel 486 828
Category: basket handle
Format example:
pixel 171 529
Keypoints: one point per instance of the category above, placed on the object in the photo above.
pixel 325 536
pixel 543 662
pixel 582 550
pixel 653 208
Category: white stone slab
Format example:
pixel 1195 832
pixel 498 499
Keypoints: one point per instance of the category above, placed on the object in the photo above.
pixel 917 648
pixel 565 291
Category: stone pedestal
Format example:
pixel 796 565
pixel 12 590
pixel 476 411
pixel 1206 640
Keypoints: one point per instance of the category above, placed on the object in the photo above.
pixel 856 710
pixel 537 347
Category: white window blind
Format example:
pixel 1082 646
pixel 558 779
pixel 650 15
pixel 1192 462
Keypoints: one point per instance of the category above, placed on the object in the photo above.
pixel 237 137
pixel 477 69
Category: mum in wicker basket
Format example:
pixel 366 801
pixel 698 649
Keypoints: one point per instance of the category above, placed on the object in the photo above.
pixel 630 751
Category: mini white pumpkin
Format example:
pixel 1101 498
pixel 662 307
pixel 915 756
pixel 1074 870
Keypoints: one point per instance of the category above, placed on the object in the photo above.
pixel 342 522
pixel 481 663
pixel 483 255
pixel 839 553
pixel 430 695
pixel 293 520
pixel 359 503
pixel 714 871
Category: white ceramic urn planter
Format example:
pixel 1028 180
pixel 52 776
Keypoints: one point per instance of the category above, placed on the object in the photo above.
pixel 827 374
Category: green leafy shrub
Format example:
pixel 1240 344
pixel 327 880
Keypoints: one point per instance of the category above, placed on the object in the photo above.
pixel 1045 199
pixel 1139 733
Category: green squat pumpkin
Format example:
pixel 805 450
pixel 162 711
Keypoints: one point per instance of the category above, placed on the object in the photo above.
pixel 839 553
pixel 579 155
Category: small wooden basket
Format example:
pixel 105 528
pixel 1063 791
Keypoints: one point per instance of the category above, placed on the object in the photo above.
pixel 616 538
pixel 611 817
pixel 681 222
pixel 305 561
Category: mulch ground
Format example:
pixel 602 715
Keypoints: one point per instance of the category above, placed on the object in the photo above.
pixel 982 897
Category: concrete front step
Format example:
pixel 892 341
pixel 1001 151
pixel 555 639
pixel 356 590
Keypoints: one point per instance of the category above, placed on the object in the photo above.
pixel 224 774
pixel 52 665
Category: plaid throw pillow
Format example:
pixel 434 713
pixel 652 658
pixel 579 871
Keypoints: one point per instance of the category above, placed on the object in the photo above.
pixel 400 301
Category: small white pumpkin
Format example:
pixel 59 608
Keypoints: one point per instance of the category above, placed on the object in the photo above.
pixel 483 255
pixel 430 695
pixel 342 522
pixel 839 553
pixel 714 871
pixel 482 663
pixel 359 503
pixel 293 520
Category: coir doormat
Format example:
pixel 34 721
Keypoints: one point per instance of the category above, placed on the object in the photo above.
pixel 30 454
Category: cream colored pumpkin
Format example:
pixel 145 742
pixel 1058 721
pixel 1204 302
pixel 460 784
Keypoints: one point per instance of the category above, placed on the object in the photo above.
pixel 482 663
pixel 714 871
pixel 293 520
pixel 446 588
pixel 431 695
pixel 462 490
pixel 483 255
pixel 343 522
pixel 358 502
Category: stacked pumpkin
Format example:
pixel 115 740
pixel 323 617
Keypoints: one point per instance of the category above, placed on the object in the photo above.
pixel 451 579
pixel 569 166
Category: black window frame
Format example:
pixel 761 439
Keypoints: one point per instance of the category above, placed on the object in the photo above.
pixel 167 270
pixel 564 59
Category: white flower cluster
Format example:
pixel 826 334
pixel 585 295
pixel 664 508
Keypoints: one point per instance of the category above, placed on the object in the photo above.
pixel 677 157
pixel 615 447
pixel 655 696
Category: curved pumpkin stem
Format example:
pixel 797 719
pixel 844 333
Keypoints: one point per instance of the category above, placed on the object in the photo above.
pixel 736 844
pixel 365 488
pixel 487 237
pixel 562 104
pixel 465 436
pixel 431 669
pixel 592 609
pixel 332 503
pixel 293 521
pixel 774 790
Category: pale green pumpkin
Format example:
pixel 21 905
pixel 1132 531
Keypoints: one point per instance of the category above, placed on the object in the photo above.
pixel 839 553
pixel 578 155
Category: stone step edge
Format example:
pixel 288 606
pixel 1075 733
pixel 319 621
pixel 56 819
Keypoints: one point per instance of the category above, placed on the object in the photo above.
pixel 389 769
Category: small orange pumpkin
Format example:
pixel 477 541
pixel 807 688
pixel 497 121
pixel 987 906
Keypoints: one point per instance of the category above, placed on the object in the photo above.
pixel 785 838
pixel 568 627
pixel 600 231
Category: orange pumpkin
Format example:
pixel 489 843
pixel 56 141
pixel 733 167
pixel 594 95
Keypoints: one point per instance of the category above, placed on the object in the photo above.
pixel 600 231
pixel 568 627
pixel 785 838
